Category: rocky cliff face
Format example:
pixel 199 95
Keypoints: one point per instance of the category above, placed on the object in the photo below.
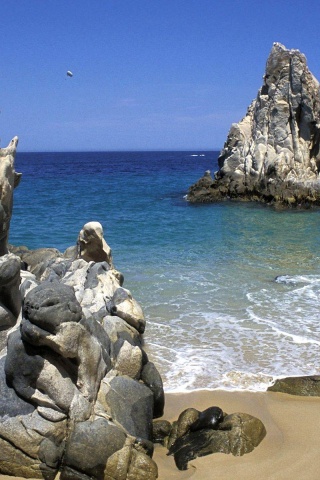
pixel 272 154
pixel 77 391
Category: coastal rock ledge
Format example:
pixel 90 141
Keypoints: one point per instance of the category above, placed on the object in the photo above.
pixel 272 155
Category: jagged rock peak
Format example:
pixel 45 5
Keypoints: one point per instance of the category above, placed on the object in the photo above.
pixel 273 153
pixel 9 180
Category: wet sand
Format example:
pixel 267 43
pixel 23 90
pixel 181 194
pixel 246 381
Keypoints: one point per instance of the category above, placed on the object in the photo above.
pixel 289 451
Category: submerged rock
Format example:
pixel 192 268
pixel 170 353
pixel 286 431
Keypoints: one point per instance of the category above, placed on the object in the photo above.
pixel 308 386
pixel 273 153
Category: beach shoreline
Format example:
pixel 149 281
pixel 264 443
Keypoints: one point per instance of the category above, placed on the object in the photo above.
pixel 289 450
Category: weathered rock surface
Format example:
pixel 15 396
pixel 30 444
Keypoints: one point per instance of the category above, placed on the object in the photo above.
pixel 77 391
pixel 130 404
pixel 152 378
pixel 308 386
pixel 126 307
pixel 9 179
pixel 90 445
pixel 92 245
pixel 161 430
pixel 238 433
pixel 273 154
pixel 10 297
pixel 36 261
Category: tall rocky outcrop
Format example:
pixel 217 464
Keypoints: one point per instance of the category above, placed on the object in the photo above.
pixel 272 154
pixel 9 179
pixel 77 391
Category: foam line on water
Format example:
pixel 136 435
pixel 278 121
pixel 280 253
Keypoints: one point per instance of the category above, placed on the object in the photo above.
pixel 288 279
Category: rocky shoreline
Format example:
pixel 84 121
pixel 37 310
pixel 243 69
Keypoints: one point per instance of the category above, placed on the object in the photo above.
pixel 289 449
pixel 79 396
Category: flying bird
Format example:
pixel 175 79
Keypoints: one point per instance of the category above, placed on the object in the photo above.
pixel 69 74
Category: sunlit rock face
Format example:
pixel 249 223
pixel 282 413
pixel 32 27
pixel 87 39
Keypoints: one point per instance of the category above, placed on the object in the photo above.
pixel 9 179
pixel 78 393
pixel 272 154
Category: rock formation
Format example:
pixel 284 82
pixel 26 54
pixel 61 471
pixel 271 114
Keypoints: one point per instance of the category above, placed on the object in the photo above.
pixel 78 394
pixel 77 391
pixel 92 245
pixel 308 386
pixel 10 298
pixel 272 155
pixel 9 179
pixel 196 434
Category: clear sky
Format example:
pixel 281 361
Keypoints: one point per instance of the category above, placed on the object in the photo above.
pixel 148 74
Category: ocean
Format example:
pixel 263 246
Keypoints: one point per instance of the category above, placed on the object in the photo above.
pixel 230 290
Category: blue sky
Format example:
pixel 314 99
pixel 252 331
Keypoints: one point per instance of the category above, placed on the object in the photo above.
pixel 148 74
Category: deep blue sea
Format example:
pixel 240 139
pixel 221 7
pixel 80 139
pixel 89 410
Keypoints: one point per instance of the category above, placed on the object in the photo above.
pixel 230 290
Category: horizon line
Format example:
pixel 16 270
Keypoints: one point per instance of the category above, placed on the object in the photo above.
pixel 123 151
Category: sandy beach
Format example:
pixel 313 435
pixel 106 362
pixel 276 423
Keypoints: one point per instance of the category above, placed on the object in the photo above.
pixel 289 451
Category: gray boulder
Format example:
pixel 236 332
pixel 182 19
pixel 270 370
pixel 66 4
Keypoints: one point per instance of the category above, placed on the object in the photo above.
pixel 96 330
pixel 241 433
pixel 118 331
pixel 152 378
pixel 55 363
pixel 189 418
pixel 41 379
pixel 130 463
pixel 28 282
pixel 31 446
pixel 36 261
pixel 88 448
pixel 273 153
pixel 308 386
pixel 10 298
pixel 10 403
pixel 94 283
pixel 130 404
pixel 51 304
pixel 129 361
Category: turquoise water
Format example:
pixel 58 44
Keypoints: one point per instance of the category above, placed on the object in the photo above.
pixel 230 291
